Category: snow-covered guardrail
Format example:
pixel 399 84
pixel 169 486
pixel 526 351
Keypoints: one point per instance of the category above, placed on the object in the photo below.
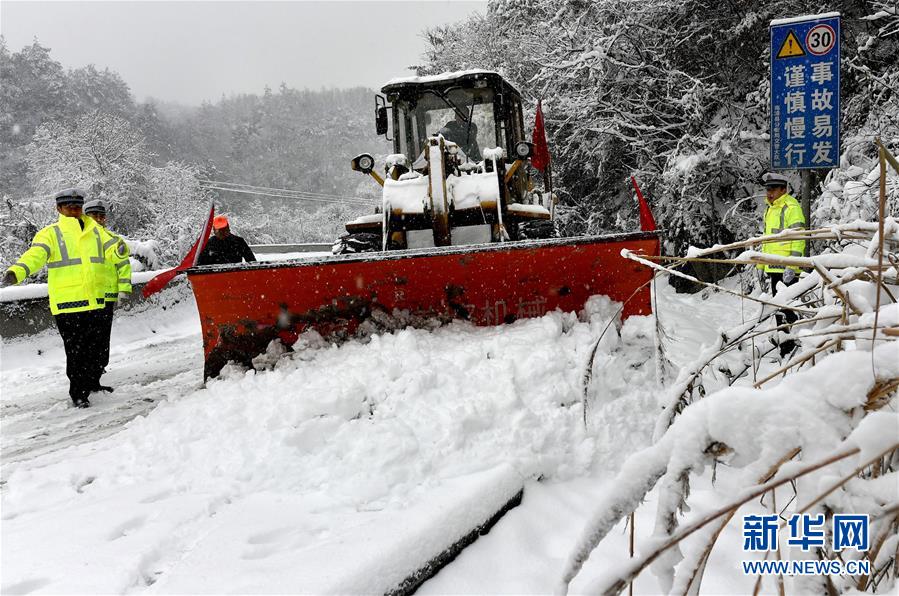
pixel 271 249
pixel 24 310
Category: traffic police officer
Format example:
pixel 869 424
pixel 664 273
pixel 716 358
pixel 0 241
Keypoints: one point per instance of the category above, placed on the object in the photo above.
pixel 116 279
pixel 783 213
pixel 72 250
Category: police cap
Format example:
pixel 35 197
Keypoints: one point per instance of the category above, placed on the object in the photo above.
pixel 774 180
pixel 70 195
pixel 95 206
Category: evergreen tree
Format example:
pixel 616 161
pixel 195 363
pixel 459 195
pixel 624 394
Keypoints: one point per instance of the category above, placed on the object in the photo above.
pixel 675 92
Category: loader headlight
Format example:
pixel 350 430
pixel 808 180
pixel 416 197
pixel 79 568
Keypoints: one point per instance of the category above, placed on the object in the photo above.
pixel 523 149
pixel 364 163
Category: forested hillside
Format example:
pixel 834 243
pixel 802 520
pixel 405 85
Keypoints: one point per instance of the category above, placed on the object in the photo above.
pixel 676 93
pixel 673 92
pixel 83 127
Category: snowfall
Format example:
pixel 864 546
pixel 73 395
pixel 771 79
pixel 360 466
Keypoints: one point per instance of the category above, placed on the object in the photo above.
pixel 345 468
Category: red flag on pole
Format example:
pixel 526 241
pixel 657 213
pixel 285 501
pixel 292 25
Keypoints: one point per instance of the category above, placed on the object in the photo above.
pixel 190 259
pixel 540 158
pixel 647 221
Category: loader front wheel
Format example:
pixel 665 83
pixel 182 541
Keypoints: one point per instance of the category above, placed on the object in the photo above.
pixel 356 243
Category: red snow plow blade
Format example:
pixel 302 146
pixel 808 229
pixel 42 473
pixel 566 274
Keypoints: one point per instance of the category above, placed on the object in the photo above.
pixel 244 307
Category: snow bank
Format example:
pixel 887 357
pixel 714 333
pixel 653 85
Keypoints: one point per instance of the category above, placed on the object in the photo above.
pixel 332 432
pixel 814 410
pixel 356 552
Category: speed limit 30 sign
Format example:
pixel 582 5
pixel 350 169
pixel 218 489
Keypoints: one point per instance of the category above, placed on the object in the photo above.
pixel 805 92
pixel 820 39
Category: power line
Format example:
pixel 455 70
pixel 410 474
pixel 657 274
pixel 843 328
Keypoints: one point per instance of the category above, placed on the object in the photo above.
pixel 303 192
pixel 278 192
pixel 284 192
pixel 295 197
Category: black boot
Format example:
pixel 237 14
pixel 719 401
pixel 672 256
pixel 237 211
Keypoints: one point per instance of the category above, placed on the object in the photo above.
pixel 99 387
pixel 81 401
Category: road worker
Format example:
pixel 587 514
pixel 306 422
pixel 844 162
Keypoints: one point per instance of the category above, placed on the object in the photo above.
pixel 116 281
pixel 225 247
pixel 783 213
pixel 72 250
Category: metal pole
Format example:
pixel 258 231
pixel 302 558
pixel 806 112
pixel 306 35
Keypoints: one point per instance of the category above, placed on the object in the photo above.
pixel 807 181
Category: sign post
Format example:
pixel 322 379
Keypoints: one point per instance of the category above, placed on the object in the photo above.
pixel 805 96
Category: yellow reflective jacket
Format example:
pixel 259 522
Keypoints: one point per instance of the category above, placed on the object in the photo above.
pixel 117 273
pixel 75 261
pixel 783 214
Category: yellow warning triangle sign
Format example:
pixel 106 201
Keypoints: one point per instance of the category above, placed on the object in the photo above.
pixel 791 47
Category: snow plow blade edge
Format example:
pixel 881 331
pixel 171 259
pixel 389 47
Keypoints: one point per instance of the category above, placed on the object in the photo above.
pixel 244 307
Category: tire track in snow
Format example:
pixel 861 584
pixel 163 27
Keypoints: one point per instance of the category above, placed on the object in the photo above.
pixel 38 418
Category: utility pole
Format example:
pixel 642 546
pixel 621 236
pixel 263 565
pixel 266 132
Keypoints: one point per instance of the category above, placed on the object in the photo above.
pixel 806 200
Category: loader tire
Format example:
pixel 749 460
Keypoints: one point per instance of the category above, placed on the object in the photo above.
pixel 537 229
pixel 356 243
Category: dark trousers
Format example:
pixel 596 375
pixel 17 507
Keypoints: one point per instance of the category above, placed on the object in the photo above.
pixel 82 335
pixel 783 316
pixel 106 322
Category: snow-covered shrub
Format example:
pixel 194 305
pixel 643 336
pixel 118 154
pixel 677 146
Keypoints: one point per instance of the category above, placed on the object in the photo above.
pixel 816 432
pixel 144 254
pixel 108 157
pixel 853 192
pixel 20 219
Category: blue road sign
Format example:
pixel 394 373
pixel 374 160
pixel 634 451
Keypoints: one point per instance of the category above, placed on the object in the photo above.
pixel 805 92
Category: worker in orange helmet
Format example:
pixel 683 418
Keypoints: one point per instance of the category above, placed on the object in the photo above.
pixel 225 247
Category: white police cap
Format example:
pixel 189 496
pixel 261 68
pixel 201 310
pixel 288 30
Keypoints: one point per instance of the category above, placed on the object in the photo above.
pixel 774 179
pixel 70 195
pixel 95 206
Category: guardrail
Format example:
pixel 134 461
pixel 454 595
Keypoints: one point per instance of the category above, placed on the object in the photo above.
pixel 24 309
pixel 277 249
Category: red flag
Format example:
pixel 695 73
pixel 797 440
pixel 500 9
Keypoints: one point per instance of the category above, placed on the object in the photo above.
pixel 647 221
pixel 190 259
pixel 540 158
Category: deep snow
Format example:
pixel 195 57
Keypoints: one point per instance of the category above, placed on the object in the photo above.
pixel 336 469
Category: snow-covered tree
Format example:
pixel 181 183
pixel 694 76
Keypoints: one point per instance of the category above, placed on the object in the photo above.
pixel 674 92
pixel 108 157
pixel 35 89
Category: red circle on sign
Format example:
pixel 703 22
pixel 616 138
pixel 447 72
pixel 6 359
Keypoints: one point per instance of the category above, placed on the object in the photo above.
pixel 820 39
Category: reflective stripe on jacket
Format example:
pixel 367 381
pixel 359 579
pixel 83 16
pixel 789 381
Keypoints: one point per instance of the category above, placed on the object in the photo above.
pixel 75 262
pixel 117 274
pixel 783 214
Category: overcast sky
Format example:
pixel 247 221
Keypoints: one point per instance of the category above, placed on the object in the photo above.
pixel 194 51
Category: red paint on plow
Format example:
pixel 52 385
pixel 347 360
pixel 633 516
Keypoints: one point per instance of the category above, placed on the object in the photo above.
pixel 244 307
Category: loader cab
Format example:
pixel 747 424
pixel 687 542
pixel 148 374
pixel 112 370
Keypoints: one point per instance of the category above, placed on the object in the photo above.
pixel 459 169
pixel 475 109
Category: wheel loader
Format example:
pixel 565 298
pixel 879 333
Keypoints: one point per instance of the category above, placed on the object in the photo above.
pixel 461 234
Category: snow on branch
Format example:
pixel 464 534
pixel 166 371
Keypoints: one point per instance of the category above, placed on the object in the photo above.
pixel 827 411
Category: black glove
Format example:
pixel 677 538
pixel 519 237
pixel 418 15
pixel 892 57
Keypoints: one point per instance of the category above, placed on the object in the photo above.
pixel 9 279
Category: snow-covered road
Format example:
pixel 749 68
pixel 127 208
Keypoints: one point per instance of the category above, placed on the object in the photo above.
pixel 288 480
pixel 153 357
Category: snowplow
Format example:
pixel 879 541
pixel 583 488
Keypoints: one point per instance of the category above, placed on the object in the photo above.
pixel 461 234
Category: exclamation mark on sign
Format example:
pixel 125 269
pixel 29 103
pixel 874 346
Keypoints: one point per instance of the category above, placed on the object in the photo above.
pixel 791 47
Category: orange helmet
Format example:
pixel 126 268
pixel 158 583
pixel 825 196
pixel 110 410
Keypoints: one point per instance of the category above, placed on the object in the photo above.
pixel 219 222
